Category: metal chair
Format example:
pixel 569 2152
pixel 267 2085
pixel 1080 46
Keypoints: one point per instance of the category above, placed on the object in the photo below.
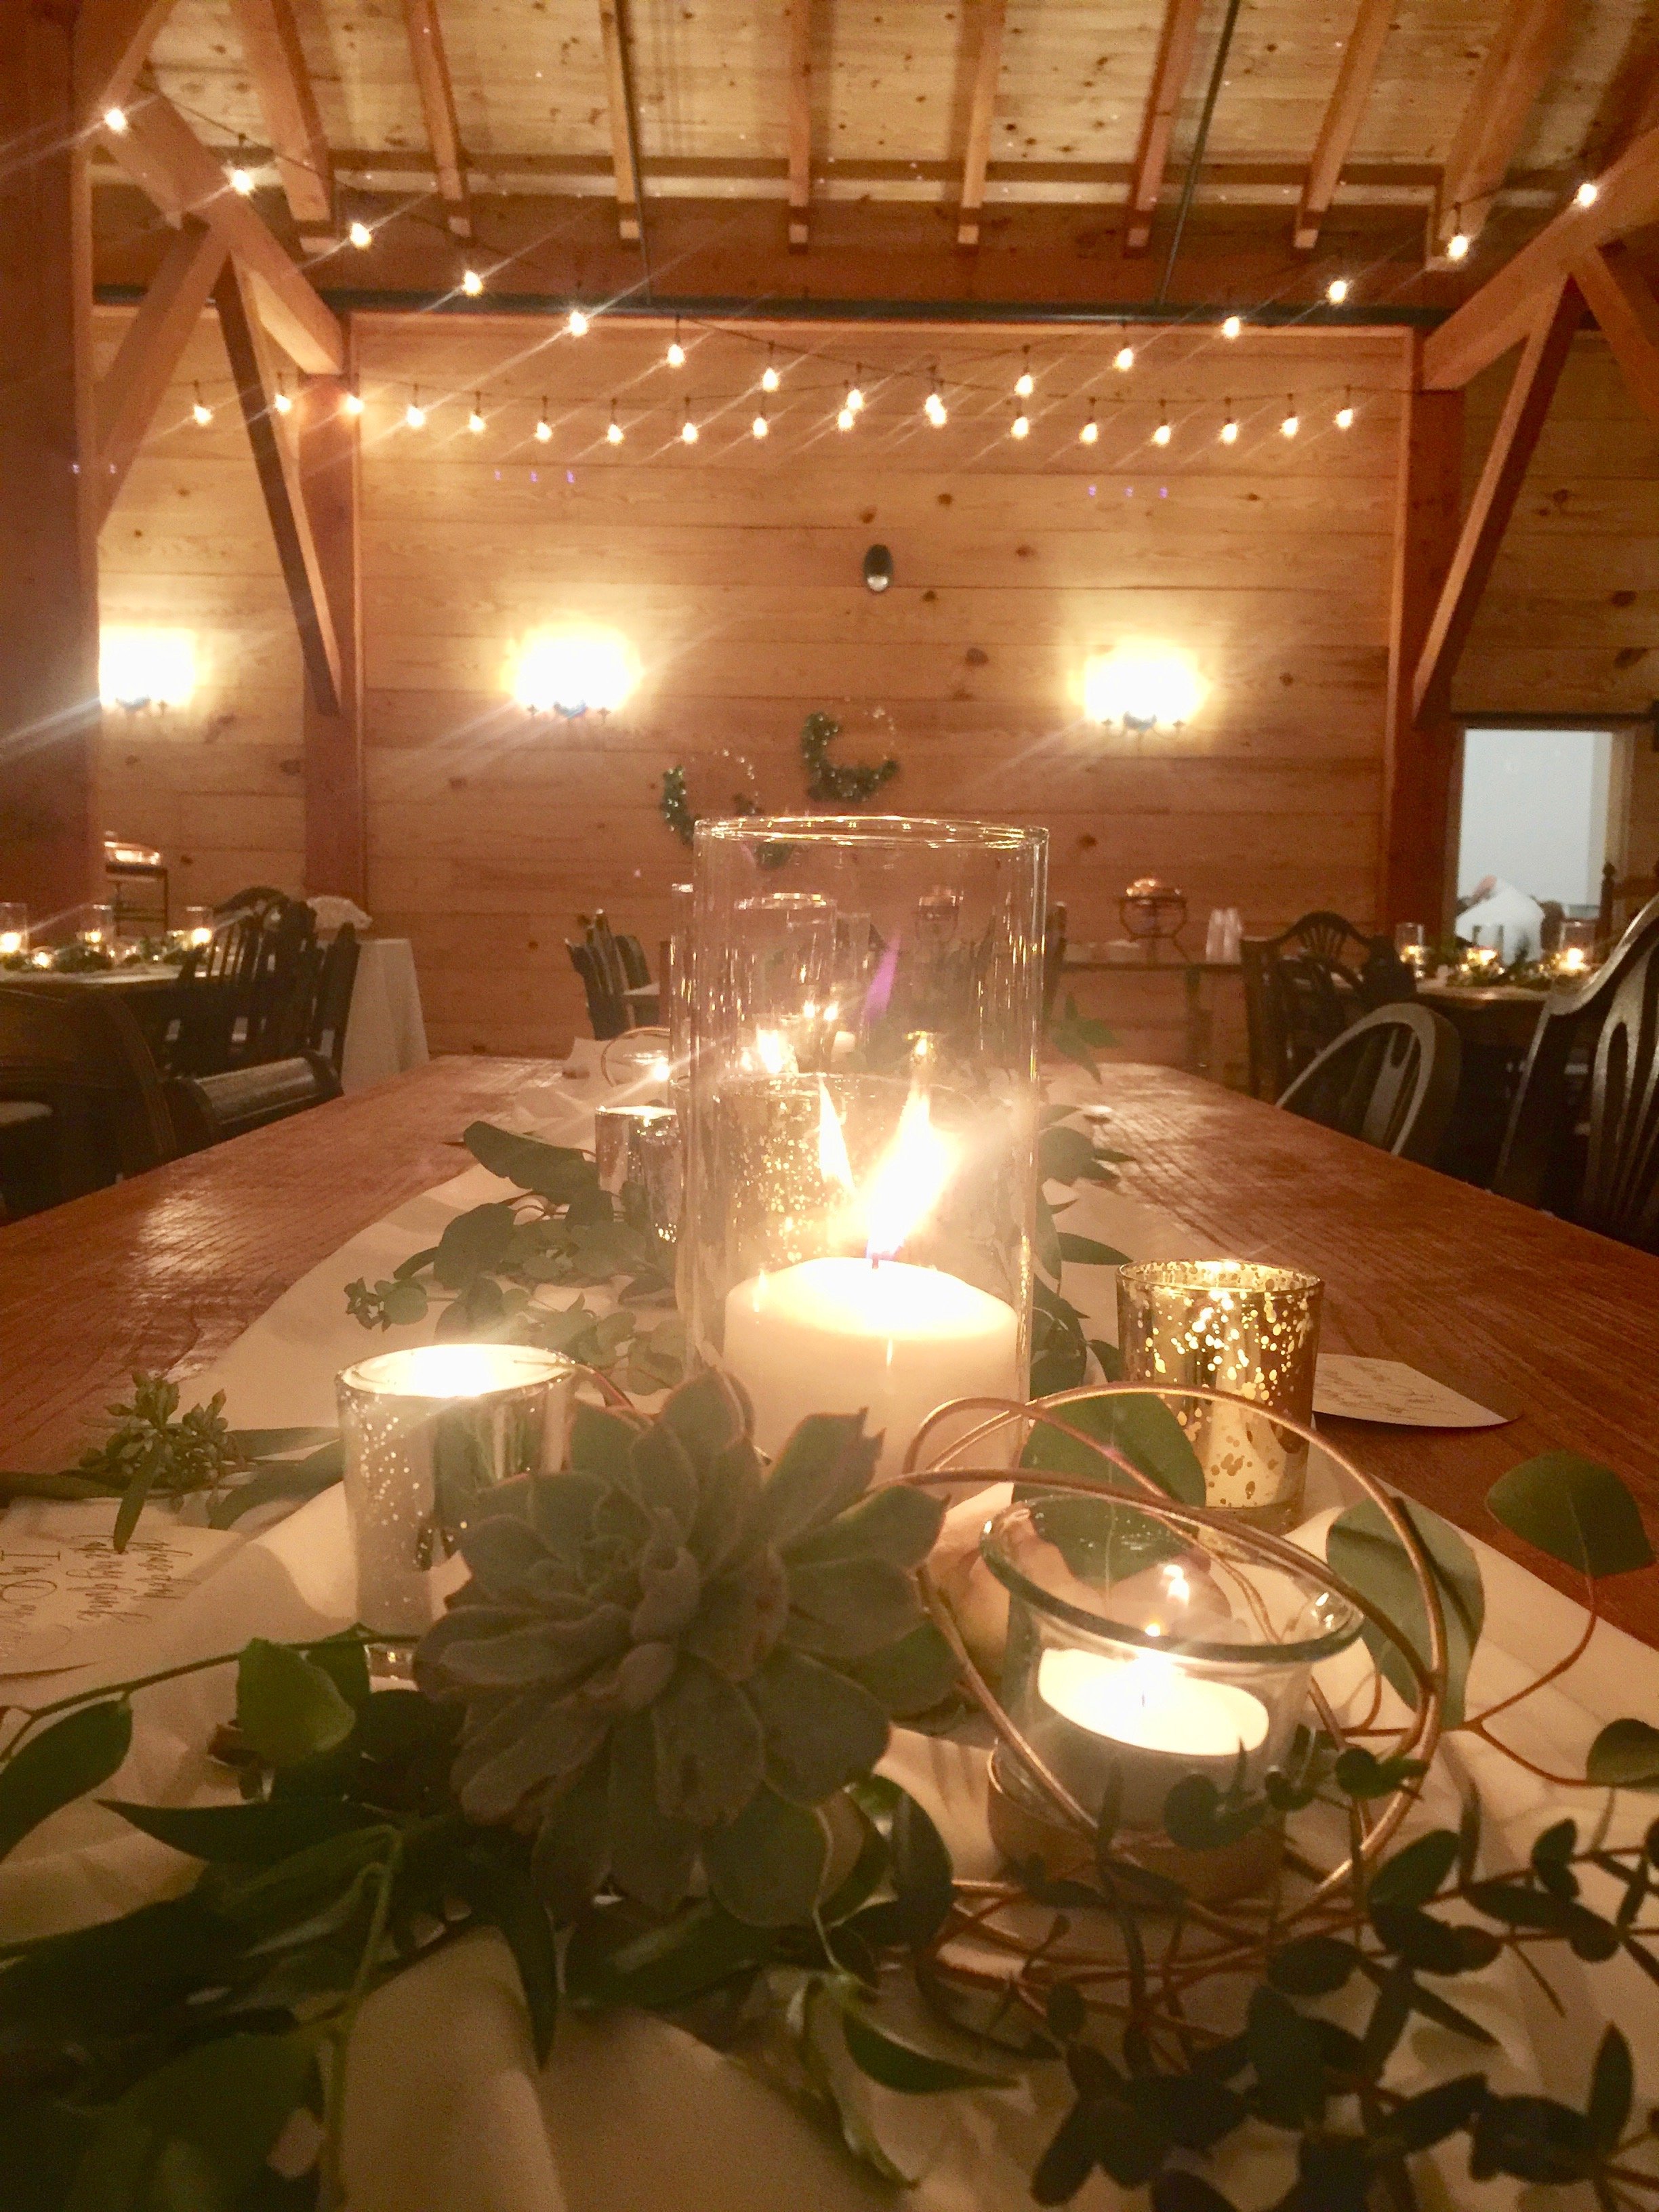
pixel 1583 1135
pixel 209 1108
pixel 1390 1080
pixel 79 1060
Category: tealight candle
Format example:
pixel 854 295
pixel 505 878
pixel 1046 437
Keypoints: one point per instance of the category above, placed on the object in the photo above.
pixel 1161 1722
pixel 14 928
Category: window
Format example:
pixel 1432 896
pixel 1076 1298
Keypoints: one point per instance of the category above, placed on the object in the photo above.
pixel 1535 812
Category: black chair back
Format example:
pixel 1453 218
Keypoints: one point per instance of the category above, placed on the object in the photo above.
pixel 616 978
pixel 209 1108
pixel 1054 958
pixel 331 1010
pixel 1584 1134
pixel 1390 1080
pixel 81 1055
pixel 1303 987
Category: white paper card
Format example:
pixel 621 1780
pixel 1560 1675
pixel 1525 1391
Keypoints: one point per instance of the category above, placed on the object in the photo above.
pixel 69 1599
pixel 1357 1389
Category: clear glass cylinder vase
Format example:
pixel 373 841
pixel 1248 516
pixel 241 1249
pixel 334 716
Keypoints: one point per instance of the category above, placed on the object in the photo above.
pixel 861 1174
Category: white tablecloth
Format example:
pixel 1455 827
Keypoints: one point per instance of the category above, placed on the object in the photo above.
pixel 385 1030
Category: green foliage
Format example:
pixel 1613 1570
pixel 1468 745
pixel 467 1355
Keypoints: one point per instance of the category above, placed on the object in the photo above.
pixel 63 1762
pixel 836 783
pixel 1625 1756
pixel 1060 1353
pixel 1078 1037
pixel 1141 1429
pixel 1576 1510
pixel 1364 1549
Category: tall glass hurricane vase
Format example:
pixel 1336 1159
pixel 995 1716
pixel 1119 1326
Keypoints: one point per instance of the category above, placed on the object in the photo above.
pixel 861 1174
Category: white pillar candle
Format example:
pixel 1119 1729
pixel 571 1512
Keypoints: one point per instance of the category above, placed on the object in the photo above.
pixel 1157 1722
pixel 885 1338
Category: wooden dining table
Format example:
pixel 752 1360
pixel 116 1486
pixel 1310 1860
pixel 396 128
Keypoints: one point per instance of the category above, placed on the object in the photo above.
pixel 1524 1314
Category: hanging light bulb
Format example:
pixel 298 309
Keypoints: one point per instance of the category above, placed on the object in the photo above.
pixel 1457 245
pixel 415 414
pixel 1162 436
pixel 471 284
pixel 475 421
pixel 360 235
pixel 1343 416
pixel 1337 290
pixel 933 406
pixel 846 419
pixel 281 404
pixel 1021 425
pixel 201 413
pixel 855 390
pixel 1586 196
pixel 1124 358
pixel 1091 431
pixel 543 427
pixel 676 355
pixel 760 428
pixel 1232 326
pixel 1025 383
pixel 241 178
pixel 613 430
pixel 576 323
pixel 353 401
pixel 688 428
pixel 1292 421
pixel 770 374
pixel 115 119
pixel 1230 428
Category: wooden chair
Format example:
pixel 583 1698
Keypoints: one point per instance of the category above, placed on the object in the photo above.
pixel 1583 1136
pixel 330 1006
pixel 1390 1080
pixel 1054 958
pixel 209 1108
pixel 616 978
pixel 81 1060
pixel 1303 988
pixel 1621 897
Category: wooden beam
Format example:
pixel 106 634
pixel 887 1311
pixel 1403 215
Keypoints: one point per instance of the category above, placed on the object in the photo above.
pixel 276 62
pixel 135 380
pixel 618 76
pixel 1622 302
pixel 800 123
pixel 1419 758
pixel 328 452
pixel 1169 75
pixel 1506 90
pixel 160 152
pixel 1509 303
pixel 425 51
pixel 1342 119
pixel 987 68
pixel 279 481
pixel 1488 518
pixel 113 39
pixel 51 824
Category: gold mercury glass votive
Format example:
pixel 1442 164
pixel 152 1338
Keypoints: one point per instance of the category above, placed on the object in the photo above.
pixel 428 1431
pixel 1237 1326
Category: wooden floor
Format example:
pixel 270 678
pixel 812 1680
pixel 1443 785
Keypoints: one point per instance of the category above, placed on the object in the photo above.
pixel 1521 1312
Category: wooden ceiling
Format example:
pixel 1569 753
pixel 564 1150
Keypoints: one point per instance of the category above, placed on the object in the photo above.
pixel 983 148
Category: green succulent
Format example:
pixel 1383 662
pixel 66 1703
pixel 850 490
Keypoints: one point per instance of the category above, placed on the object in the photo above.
pixel 670 1656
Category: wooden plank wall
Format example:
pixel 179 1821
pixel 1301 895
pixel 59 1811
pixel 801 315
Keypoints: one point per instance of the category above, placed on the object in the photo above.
pixel 733 568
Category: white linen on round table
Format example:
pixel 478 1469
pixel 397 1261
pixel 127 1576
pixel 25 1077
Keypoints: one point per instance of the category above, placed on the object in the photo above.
pixel 385 1030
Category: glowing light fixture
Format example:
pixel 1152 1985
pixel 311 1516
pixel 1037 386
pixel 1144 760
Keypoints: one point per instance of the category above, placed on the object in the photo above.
pixel 1141 688
pixel 574 672
pixel 688 428
pixel 1021 426
pixel 1232 326
pixel 676 355
pixel 115 119
pixel 613 429
pixel 1025 383
pixel 360 235
pixel 471 284
pixel 1292 421
pixel 1162 436
pixel 769 374
pixel 415 414
pixel 1090 433
pixel 1230 428
pixel 577 323
pixel 855 390
pixel 241 181
pixel 201 413
pixel 543 427
pixel 1343 416
pixel 760 427
pixel 353 401
pixel 849 415
pixel 1588 193
pixel 933 406
pixel 1124 358
pixel 1337 290
pixel 1457 245
pixel 139 668
pixel 281 404
pixel 475 421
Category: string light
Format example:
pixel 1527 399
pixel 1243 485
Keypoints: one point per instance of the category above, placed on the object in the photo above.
pixel 415 414
pixel 241 177
pixel 281 402
pixel 201 413
pixel 1343 416
pixel 1021 425
pixel 1292 421
pixel 1232 326
pixel 848 414
pixel 760 428
pixel 933 406
pixel 353 401
pixel 471 284
pixel 770 374
pixel 676 354
pixel 543 427
pixel 1091 431
pixel 856 389
pixel 1230 428
pixel 613 429
pixel 688 428
pixel 1025 383
pixel 1162 436
pixel 1586 196
pixel 1457 245
pixel 360 235
pixel 1124 358
pixel 576 323
pixel 115 119
pixel 1337 290
pixel 475 421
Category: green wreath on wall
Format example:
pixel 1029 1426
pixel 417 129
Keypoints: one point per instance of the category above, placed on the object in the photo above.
pixel 845 783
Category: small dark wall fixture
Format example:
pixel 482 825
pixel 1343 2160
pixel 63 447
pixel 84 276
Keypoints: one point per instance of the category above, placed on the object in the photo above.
pixel 878 569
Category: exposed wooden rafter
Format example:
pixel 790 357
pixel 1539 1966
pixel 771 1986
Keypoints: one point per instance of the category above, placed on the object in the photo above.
pixel 1342 117
pixel 1503 96
pixel 276 62
pixel 327 446
pixel 987 68
pixel 279 482
pixel 619 80
pixel 1517 436
pixel 1509 303
pixel 432 81
pixel 1169 75
pixel 800 123
pixel 137 381
pixel 160 152
pixel 113 39
pixel 1623 303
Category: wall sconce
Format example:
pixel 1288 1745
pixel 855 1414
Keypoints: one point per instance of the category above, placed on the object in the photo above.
pixel 1141 688
pixel 573 672
pixel 140 668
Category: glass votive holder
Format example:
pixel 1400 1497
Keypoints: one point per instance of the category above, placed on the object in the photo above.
pixel 1137 1657
pixel 196 925
pixel 1411 942
pixel 1575 949
pixel 636 1152
pixel 1243 1327
pixel 428 1431
pixel 14 928
pixel 97 928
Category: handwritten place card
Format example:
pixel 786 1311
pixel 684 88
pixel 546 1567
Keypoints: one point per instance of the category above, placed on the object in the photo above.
pixel 69 1599
pixel 1356 1389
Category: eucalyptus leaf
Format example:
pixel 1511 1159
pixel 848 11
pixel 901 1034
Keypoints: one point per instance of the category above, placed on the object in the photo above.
pixel 901 2065
pixel 766 1867
pixel 1089 1252
pixel 473 1241
pixel 1364 1549
pixel 1625 1756
pixel 257 1834
pixel 62 1762
pixel 553 1171
pixel 1140 1426
pixel 286 1708
pixel 1576 1510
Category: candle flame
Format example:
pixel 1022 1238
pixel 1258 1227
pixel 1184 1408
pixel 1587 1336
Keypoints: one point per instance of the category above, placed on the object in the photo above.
pixel 909 1179
pixel 773 1053
pixel 833 1163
